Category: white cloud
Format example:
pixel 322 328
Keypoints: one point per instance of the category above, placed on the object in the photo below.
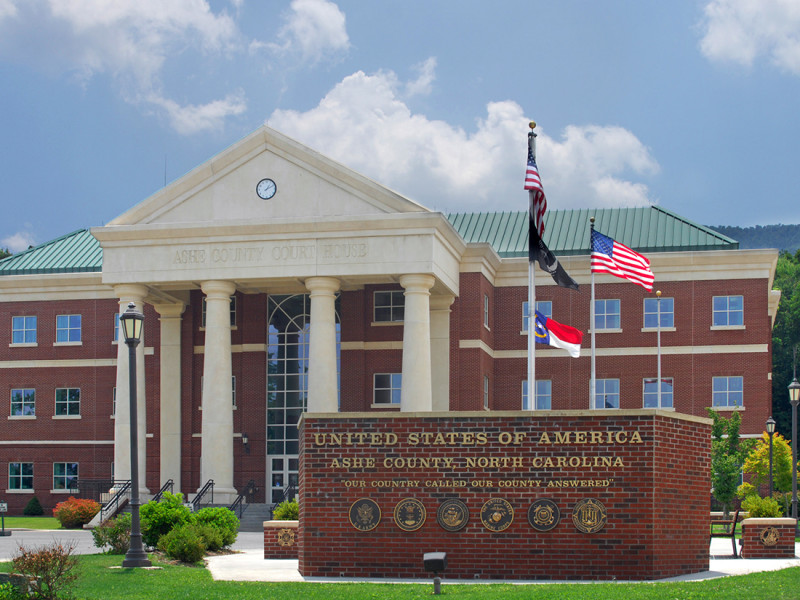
pixel 364 124
pixel 8 8
pixel 741 31
pixel 314 29
pixel 423 84
pixel 18 242
pixel 131 40
pixel 194 118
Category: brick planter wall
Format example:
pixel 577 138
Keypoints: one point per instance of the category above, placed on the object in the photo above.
pixel 280 539
pixel 649 471
pixel 768 538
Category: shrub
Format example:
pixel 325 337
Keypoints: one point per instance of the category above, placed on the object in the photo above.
pixel 287 511
pixel 75 512
pixel 8 591
pixel 114 533
pixel 52 569
pixel 210 535
pixel 33 508
pixel 223 520
pixel 159 518
pixel 759 507
pixel 183 543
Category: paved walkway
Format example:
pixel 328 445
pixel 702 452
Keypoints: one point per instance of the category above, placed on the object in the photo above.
pixel 248 563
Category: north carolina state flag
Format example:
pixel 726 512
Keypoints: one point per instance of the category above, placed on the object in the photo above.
pixel 558 335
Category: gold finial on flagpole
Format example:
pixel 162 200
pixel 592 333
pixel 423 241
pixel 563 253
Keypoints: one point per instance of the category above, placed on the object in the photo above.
pixel 532 124
pixel 658 293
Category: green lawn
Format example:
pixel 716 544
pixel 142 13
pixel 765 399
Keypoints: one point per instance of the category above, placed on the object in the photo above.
pixel 98 582
pixel 32 523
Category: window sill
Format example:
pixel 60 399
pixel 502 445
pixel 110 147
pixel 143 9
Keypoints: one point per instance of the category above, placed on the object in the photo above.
pixel 26 491
pixel 608 331
pixel 385 406
pixel 385 323
pixel 728 408
pixel 67 344
pixel 72 491
pixel 21 417
pixel 66 417
pixel 726 327
pixel 669 408
pixel 24 345
pixel 655 329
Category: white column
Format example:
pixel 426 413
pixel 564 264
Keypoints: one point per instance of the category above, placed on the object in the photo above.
pixel 216 458
pixel 170 403
pixel 322 386
pixel 122 422
pixel 440 351
pixel 415 392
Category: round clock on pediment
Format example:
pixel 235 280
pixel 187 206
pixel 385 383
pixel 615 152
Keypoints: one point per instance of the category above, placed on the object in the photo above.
pixel 266 189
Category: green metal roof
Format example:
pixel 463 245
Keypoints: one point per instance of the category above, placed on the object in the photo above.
pixel 646 229
pixel 76 252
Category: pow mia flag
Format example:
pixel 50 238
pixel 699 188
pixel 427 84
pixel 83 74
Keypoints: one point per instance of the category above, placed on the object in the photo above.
pixel 539 252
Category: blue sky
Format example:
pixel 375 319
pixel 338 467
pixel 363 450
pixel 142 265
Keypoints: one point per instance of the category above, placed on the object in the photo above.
pixel 689 104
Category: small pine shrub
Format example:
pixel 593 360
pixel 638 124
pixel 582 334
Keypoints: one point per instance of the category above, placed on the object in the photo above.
pixel 287 511
pixel 114 533
pixel 223 520
pixel 33 508
pixel 210 535
pixel 159 518
pixel 759 507
pixel 183 543
pixel 52 569
pixel 75 512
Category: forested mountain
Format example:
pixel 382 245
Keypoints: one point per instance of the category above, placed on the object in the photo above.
pixel 782 237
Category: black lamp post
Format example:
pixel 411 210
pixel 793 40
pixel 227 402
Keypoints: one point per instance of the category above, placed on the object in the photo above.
pixel 771 432
pixel 794 398
pixel 131 322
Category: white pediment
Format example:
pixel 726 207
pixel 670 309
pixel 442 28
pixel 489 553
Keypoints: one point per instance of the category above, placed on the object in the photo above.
pixel 309 186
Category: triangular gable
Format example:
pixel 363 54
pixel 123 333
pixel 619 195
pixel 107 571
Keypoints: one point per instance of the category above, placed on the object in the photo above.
pixel 309 185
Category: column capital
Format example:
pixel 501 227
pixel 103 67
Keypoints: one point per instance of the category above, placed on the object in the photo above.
pixel 442 302
pixel 167 311
pixel 218 288
pixel 322 285
pixel 417 282
pixel 127 292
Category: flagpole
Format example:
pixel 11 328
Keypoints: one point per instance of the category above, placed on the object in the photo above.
pixel 592 391
pixel 658 304
pixel 531 296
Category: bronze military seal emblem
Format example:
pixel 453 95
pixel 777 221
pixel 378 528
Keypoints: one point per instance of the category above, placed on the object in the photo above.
pixel 589 515
pixel 497 514
pixel 286 537
pixel 452 514
pixel 409 514
pixel 365 514
pixel 769 536
pixel 543 514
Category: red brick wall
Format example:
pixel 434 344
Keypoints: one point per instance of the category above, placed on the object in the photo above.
pixel 752 545
pixel 656 498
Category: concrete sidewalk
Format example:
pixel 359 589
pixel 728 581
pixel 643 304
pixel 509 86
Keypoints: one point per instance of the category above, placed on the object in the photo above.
pixel 249 565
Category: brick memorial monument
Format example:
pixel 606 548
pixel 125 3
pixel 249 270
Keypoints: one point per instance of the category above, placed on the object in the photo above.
pixel 588 495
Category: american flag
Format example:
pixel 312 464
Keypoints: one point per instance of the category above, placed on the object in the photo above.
pixel 609 256
pixel 538 203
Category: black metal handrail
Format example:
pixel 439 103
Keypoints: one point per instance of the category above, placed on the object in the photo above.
pixel 239 506
pixel 167 487
pixel 289 493
pixel 120 489
pixel 209 485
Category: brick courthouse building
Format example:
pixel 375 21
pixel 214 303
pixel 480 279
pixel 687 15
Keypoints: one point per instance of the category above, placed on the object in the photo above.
pixel 238 261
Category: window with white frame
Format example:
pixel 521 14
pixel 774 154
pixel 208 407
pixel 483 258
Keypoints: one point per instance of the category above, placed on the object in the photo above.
pixel 233 312
pixel 68 402
pixel 114 401
pixel 727 392
pixel 65 476
pixel 486 392
pixel 389 306
pixel 23 402
pixel 606 393
pixel 68 328
pixel 651 312
pixel 650 392
pixel 386 388
pixel 116 327
pixel 606 314
pixel 23 330
pixel 20 476
pixel 486 311
pixel 544 395
pixel 545 307
pixel 728 311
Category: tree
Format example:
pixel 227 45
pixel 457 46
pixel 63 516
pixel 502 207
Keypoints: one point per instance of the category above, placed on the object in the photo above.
pixel 728 453
pixel 785 336
pixel 757 463
pixel 4 253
